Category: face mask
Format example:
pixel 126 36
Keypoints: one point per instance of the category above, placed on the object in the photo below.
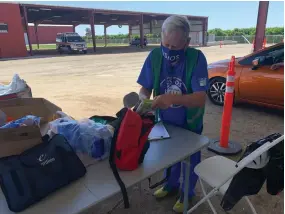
pixel 172 55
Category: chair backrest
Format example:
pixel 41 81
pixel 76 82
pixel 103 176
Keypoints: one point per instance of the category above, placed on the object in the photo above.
pixel 258 152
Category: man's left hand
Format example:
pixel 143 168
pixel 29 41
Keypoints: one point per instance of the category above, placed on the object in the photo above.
pixel 162 101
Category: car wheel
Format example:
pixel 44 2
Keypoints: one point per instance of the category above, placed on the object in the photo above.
pixel 85 52
pixel 69 50
pixel 59 50
pixel 216 91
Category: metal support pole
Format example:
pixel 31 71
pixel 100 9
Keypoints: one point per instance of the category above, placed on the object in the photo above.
pixel 203 33
pixel 130 33
pixel 150 27
pixel 74 28
pixel 36 33
pixel 261 24
pixel 27 29
pixel 105 35
pixel 91 21
pixel 141 31
pixel 186 184
pixel 205 30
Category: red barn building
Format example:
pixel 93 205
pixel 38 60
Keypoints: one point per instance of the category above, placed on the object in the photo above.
pixel 47 33
pixel 12 43
pixel 39 24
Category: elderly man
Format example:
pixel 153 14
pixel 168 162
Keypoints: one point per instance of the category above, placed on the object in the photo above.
pixel 178 78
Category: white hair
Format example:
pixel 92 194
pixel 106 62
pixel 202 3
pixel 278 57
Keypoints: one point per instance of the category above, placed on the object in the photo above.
pixel 174 23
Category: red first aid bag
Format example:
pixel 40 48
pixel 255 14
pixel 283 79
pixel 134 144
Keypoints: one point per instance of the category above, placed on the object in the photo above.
pixel 130 143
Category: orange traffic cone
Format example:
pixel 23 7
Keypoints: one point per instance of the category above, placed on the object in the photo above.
pixel 224 146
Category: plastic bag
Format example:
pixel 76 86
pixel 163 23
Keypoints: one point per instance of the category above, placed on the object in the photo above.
pixel 17 85
pixel 85 136
pixel 28 120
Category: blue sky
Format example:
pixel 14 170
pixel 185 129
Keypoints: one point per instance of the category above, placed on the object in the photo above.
pixel 225 15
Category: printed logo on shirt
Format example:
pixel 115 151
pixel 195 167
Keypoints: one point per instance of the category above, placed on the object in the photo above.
pixel 202 82
pixel 173 85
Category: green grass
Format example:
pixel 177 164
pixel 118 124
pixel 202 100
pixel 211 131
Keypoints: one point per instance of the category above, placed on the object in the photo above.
pixel 89 45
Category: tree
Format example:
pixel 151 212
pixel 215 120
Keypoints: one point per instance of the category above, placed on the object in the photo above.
pixel 88 32
pixel 246 31
pixel 217 32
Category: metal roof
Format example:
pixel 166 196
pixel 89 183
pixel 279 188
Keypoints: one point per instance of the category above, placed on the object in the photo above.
pixel 48 14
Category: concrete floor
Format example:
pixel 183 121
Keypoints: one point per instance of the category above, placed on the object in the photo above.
pixel 85 85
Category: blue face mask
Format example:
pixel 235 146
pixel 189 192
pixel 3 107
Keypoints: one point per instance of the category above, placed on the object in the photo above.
pixel 172 55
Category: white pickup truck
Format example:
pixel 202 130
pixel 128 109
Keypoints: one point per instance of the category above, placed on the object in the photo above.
pixel 70 42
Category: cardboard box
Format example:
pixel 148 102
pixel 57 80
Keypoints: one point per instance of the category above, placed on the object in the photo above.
pixel 16 140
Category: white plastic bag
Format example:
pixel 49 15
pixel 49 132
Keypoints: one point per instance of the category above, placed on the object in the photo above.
pixel 85 136
pixel 17 85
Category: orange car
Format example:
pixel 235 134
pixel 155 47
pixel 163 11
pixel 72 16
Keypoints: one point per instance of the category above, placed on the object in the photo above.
pixel 255 80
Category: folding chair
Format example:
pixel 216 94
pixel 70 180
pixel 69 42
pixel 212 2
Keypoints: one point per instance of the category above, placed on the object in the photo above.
pixel 218 172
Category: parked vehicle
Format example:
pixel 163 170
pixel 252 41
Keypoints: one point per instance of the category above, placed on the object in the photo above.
pixel 255 80
pixel 137 42
pixel 70 42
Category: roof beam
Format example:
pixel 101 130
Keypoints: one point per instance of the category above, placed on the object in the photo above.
pixel 111 23
pixel 118 12
pixel 75 16
pixel 53 17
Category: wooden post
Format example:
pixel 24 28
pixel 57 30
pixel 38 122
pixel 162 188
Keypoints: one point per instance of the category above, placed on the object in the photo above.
pixel 91 19
pixel 141 31
pixel 261 24
pixel 27 29
pixel 105 35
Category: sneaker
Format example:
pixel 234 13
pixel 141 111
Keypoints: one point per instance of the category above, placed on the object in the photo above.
pixel 178 207
pixel 163 192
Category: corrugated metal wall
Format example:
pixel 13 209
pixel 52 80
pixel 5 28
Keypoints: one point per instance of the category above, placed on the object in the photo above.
pixel 196 29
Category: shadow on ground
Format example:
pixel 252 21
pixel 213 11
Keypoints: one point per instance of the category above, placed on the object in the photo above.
pixel 99 51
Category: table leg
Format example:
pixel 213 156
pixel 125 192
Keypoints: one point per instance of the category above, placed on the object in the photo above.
pixel 186 184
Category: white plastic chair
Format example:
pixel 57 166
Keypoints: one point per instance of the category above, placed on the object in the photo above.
pixel 218 172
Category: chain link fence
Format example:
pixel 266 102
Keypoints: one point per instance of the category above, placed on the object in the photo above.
pixel 151 41
pixel 123 41
pixel 270 39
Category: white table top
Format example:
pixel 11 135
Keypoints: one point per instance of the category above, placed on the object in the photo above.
pixel 99 183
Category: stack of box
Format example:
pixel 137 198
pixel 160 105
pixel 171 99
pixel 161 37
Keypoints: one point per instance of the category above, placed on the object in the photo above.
pixel 16 140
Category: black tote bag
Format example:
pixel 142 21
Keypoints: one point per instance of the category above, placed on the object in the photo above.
pixel 29 177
